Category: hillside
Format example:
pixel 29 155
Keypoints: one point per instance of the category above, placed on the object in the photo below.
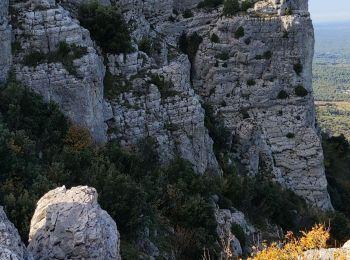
pixel 193 121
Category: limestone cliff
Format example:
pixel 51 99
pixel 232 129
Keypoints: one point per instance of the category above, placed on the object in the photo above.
pixel 39 27
pixel 259 80
pixel 253 68
pixel 5 41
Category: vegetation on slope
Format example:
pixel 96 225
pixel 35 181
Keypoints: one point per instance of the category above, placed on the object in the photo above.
pixel 107 27
pixel 41 150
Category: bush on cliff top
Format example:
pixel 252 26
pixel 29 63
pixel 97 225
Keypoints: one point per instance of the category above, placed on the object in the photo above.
pixel 107 27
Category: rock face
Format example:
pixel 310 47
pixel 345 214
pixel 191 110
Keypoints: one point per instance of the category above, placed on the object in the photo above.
pixel 69 224
pixel 258 77
pixel 328 254
pixel 5 41
pixel 41 27
pixel 11 246
pixel 173 117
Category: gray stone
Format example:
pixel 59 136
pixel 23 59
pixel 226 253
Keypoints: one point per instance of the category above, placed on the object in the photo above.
pixel 79 96
pixel 11 246
pixel 275 137
pixel 70 224
pixel 5 41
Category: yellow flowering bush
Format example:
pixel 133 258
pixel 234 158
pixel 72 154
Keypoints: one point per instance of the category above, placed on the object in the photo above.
pixel 292 248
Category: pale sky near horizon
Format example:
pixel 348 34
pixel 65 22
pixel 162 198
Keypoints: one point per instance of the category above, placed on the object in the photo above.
pixel 329 10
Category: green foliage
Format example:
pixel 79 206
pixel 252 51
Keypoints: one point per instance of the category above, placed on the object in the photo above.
pixel 251 82
pixel 300 91
pixel 209 3
pixel 298 68
pixel 34 58
pixel 146 46
pixel 190 44
pixel 334 118
pixel 65 54
pixel 223 56
pixel 164 86
pixel 282 95
pixel 187 13
pixel 262 199
pixel 246 4
pixel 215 38
pixel 114 85
pixel 107 27
pixel 217 129
pixel 267 55
pixel 337 164
pixel 239 234
pixel 290 135
pixel 231 7
pixel 239 33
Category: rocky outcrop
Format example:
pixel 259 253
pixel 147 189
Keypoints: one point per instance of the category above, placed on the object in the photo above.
pixel 69 224
pixel 11 246
pixel 328 254
pixel 42 27
pixel 5 41
pixel 258 77
pixel 169 112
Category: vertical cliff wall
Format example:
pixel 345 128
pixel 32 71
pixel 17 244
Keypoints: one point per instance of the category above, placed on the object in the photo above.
pixel 258 75
pixel 253 67
pixel 40 27
pixel 5 41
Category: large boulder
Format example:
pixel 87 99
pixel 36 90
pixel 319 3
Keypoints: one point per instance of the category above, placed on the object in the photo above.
pixel 11 246
pixel 70 224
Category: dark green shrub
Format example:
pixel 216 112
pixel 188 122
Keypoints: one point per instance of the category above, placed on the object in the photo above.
pixel 300 91
pixel 190 44
pixel 64 54
pixel 217 129
pixel 223 56
pixel 209 3
pixel 239 32
pixel 239 233
pixel 246 4
pixel 298 68
pixel 146 46
pixel 251 82
pixel 107 27
pixel 267 55
pixel 290 135
pixel 282 94
pixel 231 7
pixel 34 59
pixel 114 86
pixel 164 86
pixel 187 13
pixel 214 38
pixel 288 11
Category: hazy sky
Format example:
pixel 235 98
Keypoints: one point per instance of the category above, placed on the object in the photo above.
pixel 330 10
